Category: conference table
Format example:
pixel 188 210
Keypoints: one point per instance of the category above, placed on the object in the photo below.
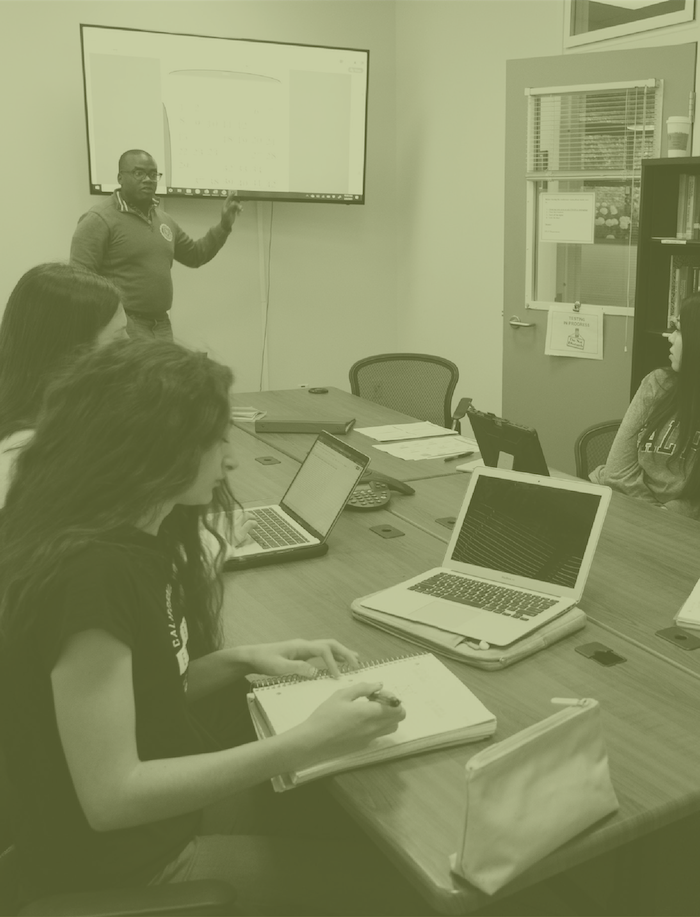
pixel 414 808
pixel 299 404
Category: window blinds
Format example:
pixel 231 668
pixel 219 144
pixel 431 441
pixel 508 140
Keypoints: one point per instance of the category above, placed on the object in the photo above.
pixel 593 131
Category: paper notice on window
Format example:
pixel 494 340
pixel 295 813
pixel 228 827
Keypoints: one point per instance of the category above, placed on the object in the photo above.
pixel 575 334
pixel 567 217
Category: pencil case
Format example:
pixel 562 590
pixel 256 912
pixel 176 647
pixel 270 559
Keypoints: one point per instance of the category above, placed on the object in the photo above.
pixel 455 646
pixel 532 792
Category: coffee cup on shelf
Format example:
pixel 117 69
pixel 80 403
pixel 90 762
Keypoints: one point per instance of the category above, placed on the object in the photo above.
pixel 678 135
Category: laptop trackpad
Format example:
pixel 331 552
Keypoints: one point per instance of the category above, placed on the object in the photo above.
pixel 447 616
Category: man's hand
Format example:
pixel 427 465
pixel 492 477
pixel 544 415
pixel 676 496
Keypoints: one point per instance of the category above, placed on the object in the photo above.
pixel 232 207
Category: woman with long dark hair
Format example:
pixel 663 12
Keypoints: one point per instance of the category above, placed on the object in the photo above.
pixel 110 631
pixel 654 455
pixel 54 310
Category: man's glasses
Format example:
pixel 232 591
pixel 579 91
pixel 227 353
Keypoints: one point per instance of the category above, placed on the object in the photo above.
pixel 140 174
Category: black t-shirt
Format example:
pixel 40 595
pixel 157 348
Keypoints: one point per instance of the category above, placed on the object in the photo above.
pixel 125 585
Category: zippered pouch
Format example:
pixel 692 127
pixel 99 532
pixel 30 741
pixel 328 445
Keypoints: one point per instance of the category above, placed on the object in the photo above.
pixel 532 792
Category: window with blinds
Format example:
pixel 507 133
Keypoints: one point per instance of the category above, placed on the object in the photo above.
pixel 601 131
pixel 590 139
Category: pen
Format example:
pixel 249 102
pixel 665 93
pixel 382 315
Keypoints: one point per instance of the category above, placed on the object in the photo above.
pixel 451 458
pixel 381 697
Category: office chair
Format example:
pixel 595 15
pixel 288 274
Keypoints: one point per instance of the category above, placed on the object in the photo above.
pixel 593 445
pixel 413 383
pixel 202 897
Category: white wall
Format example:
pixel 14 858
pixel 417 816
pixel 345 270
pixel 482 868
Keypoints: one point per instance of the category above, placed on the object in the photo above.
pixel 450 59
pixel 333 268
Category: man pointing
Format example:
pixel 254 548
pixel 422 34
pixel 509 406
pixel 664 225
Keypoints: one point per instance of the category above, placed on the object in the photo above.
pixel 129 239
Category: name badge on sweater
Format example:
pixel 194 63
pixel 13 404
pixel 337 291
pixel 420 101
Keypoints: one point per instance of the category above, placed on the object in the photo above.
pixel 166 232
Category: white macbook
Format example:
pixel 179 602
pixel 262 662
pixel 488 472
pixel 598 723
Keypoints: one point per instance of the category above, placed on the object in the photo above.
pixel 519 556
pixel 312 504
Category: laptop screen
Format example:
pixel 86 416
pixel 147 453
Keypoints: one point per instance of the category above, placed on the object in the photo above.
pixel 528 530
pixel 324 482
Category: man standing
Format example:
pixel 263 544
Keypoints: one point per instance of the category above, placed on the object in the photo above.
pixel 130 240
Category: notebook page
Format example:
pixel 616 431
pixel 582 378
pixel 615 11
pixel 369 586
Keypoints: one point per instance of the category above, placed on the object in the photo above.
pixel 435 700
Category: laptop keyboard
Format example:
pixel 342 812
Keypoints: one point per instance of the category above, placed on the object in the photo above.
pixel 499 599
pixel 272 531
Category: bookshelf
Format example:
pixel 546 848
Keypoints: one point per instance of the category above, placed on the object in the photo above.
pixel 663 260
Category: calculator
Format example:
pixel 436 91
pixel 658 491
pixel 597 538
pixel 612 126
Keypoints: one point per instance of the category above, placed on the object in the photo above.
pixel 369 495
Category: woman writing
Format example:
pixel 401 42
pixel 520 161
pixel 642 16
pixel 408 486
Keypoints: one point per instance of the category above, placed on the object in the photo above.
pixel 654 453
pixel 110 631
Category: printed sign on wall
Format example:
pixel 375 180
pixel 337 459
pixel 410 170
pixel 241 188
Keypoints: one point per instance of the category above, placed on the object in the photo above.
pixel 575 334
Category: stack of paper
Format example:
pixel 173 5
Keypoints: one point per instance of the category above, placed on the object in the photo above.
pixel 395 432
pixel 415 449
pixel 246 414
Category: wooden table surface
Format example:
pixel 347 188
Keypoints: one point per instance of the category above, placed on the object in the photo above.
pixel 414 808
pixel 298 404
pixel 645 566
pixel 253 482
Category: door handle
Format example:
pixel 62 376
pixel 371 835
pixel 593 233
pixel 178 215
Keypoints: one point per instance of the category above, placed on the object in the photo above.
pixel 515 322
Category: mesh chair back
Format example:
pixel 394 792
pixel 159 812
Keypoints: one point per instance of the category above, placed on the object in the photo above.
pixel 593 445
pixel 413 383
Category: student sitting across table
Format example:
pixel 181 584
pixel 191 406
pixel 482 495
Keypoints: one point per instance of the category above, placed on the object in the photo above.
pixel 654 453
pixel 111 632
pixel 54 310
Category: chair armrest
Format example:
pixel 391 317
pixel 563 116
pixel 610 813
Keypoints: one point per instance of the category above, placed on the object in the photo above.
pixel 179 898
pixel 459 412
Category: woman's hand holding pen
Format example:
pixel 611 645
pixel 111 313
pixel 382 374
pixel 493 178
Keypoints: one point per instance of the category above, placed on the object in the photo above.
pixel 345 723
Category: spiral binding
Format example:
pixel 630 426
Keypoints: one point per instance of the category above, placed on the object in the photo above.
pixel 274 681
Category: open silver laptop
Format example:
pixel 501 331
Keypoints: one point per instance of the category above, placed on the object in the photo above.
pixel 519 556
pixel 312 503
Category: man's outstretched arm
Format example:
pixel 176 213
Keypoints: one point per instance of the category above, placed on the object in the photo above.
pixel 193 253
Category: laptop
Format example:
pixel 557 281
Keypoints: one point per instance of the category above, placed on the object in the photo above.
pixel 504 444
pixel 306 514
pixel 518 557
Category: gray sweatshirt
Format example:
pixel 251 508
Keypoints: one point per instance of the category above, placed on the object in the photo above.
pixel 648 468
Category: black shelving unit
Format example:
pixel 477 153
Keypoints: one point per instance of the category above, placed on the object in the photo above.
pixel 656 246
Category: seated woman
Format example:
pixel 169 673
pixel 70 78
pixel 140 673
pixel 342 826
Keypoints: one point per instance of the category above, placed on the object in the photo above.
pixel 54 310
pixel 654 453
pixel 110 631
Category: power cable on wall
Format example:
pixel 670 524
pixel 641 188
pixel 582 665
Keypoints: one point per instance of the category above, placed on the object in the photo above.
pixel 265 288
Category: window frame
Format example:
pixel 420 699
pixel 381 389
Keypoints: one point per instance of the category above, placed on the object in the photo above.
pixel 687 14
pixel 532 192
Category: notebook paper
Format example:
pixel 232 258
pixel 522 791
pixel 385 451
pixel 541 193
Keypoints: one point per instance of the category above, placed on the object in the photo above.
pixel 440 711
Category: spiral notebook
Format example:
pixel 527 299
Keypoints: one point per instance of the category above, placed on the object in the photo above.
pixel 440 711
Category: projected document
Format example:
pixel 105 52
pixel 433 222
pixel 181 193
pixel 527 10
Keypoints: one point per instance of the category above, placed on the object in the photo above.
pixel 266 119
